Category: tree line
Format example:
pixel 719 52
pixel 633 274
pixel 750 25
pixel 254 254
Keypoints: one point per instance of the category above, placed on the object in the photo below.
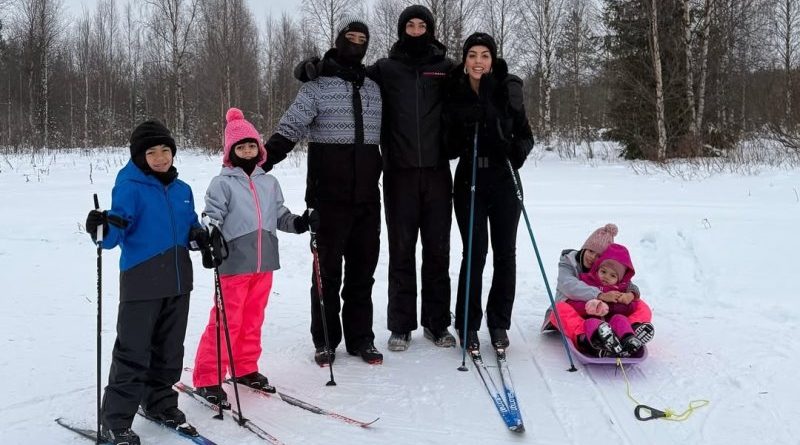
pixel 665 78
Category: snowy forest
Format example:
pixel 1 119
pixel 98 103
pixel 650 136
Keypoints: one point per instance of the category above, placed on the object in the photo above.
pixel 663 78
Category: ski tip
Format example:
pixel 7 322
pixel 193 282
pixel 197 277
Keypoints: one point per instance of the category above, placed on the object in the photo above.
pixel 517 428
pixel 367 424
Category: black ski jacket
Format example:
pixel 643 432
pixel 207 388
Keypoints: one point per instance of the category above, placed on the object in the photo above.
pixel 413 98
pixel 504 131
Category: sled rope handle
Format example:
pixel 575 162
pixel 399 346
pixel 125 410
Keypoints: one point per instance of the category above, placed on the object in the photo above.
pixel 644 412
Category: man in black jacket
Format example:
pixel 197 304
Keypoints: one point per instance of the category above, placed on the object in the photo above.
pixel 417 183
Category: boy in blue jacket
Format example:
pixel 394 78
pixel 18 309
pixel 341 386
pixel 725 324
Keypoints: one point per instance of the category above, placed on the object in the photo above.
pixel 152 219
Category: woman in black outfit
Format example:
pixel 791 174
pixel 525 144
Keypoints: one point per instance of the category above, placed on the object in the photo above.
pixel 481 93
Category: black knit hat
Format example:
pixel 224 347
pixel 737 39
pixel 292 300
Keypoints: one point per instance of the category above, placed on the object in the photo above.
pixel 416 12
pixel 149 134
pixel 482 39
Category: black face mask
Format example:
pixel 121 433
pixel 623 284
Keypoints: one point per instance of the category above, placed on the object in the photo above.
pixel 166 177
pixel 348 53
pixel 416 46
pixel 248 165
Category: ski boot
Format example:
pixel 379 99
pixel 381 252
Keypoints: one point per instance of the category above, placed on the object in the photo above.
pixel 256 381
pixel 369 354
pixel 121 436
pixel 215 395
pixel 323 357
pixel 499 338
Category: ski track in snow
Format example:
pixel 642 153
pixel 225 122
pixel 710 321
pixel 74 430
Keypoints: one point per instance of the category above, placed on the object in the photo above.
pixel 714 259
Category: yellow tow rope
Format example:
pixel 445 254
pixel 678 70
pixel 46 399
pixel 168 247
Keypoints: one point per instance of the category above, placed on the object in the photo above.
pixel 644 412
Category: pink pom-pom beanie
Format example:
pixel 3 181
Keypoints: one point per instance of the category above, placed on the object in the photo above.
pixel 600 239
pixel 238 129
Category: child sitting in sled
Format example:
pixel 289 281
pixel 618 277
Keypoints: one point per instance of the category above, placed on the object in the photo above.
pixel 571 265
pixel 606 325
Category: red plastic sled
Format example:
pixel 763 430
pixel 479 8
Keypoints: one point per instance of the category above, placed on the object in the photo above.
pixel 547 327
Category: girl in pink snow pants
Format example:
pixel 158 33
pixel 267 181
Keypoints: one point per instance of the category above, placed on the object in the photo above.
pixel 246 204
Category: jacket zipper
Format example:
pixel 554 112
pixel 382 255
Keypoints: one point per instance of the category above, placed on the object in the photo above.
pixel 419 141
pixel 174 238
pixel 259 230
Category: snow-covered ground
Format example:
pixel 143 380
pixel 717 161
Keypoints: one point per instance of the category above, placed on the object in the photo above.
pixel 714 259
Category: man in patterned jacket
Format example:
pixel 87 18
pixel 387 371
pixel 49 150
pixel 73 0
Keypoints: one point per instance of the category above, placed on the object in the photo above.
pixel 340 115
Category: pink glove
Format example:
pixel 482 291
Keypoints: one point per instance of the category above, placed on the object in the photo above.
pixel 596 307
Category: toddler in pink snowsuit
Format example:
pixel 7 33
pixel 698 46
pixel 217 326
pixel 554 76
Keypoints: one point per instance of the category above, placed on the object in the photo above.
pixel 246 205
pixel 612 271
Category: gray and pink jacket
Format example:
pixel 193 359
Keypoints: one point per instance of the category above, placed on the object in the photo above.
pixel 249 210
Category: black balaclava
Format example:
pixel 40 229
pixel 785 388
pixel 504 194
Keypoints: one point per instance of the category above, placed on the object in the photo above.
pixel 348 53
pixel 248 165
pixel 416 46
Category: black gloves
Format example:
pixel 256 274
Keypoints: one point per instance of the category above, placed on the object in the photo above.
pixel 308 69
pixel 211 245
pixel 95 219
pixel 308 220
pixel 198 239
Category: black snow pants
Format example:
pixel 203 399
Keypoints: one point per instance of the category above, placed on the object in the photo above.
pixel 147 358
pixel 496 218
pixel 418 201
pixel 348 233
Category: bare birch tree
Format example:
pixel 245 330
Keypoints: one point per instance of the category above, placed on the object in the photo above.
pixel 786 24
pixel 171 22
pixel 322 17
pixel 655 53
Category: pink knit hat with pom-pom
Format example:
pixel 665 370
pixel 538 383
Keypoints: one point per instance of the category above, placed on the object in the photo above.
pixel 238 129
pixel 601 238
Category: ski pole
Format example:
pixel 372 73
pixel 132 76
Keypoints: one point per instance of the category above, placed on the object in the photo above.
pixel 320 294
pixel 99 240
pixel 217 324
pixel 463 366
pixel 541 266
pixel 222 254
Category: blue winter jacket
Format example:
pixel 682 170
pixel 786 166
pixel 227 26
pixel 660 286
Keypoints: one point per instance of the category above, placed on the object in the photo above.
pixel 154 262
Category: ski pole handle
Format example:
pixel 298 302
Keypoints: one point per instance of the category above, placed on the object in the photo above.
pixel 99 236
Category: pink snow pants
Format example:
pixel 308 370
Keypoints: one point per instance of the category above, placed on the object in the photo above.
pixel 245 298
pixel 573 322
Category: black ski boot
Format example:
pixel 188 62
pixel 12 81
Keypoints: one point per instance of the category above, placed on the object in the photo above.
pixel 121 436
pixel 257 381
pixel 323 357
pixel 369 354
pixel 631 345
pixel 214 394
pixel 499 338
pixel 399 341
pixel 473 344
pixel 604 338
pixel 585 347
pixel 171 417
pixel 440 337
pixel 644 331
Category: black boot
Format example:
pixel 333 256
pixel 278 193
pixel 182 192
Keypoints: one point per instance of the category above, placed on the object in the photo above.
pixel 121 436
pixel 631 345
pixel 644 331
pixel 399 341
pixel 499 338
pixel 440 337
pixel 323 357
pixel 369 354
pixel 473 344
pixel 604 338
pixel 214 394
pixel 585 347
pixel 257 381
pixel 171 417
